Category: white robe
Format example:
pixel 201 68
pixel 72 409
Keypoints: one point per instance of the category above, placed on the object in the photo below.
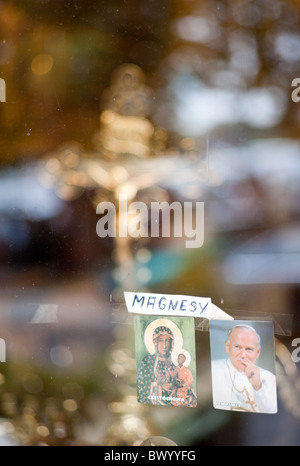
pixel 233 391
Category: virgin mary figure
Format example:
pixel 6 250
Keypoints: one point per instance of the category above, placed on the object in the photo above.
pixel 156 374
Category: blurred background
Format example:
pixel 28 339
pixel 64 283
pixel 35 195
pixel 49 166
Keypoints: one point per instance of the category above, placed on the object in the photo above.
pixel 161 100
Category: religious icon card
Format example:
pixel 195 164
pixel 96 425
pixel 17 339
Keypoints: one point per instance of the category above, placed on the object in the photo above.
pixel 243 366
pixel 165 360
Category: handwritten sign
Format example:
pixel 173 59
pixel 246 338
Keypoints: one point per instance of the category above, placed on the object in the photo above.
pixel 173 305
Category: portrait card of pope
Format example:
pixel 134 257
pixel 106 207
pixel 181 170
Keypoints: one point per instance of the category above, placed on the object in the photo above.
pixel 243 366
pixel 165 360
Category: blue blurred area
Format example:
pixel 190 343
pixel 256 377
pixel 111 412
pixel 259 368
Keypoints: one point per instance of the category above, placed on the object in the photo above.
pixel 22 196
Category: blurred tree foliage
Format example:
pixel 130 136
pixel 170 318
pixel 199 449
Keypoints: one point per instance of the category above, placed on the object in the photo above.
pixel 57 58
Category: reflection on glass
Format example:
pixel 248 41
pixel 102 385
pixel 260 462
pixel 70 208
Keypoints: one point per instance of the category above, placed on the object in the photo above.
pixel 221 128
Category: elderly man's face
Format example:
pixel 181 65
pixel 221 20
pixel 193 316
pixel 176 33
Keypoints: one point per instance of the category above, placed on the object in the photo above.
pixel 242 348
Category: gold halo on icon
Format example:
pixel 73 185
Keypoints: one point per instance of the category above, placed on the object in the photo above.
pixel 148 336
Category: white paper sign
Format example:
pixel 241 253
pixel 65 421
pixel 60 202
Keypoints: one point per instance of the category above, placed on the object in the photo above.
pixel 173 305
